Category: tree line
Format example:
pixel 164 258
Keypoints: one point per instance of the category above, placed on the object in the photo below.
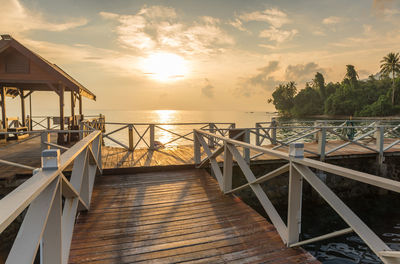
pixel 376 96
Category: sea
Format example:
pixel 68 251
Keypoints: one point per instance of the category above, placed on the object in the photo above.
pixel 241 119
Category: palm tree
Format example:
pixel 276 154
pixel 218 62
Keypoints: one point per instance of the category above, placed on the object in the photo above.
pixel 390 64
pixel 351 75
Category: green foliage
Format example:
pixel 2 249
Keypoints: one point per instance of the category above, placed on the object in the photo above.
pixel 283 97
pixel 390 64
pixel 381 107
pixel 351 97
pixel 307 102
pixel 319 85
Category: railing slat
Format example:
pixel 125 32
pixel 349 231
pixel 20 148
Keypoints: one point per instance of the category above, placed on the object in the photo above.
pixel 27 241
pixel 369 237
pixel 259 192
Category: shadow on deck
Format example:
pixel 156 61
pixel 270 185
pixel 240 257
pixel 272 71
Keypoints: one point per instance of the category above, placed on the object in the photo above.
pixel 175 216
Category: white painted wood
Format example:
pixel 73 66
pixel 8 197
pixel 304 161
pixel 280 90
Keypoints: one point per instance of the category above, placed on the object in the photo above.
pixel 116 141
pixel 207 159
pixel 321 135
pixel 55 145
pixel 197 154
pixel 16 164
pixel 228 167
pixel 294 206
pixel 44 137
pixel 152 136
pixel 246 151
pixel 16 201
pixel 51 246
pixel 354 141
pixel 351 174
pixel 259 192
pixel 27 241
pixel 266 177
pixel 323 237
pixel 366 234
pixel 214 164
pixel 68 222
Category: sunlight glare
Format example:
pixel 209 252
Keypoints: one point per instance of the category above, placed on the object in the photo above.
pixel 165 66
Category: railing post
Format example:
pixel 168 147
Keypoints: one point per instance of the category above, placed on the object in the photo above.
pixel 81 127
pixel 45 137
pixel 258 142
pixel 273 125
pixel 48 122
pixel 197 154
pixel 380 141
pixel 152 131
pixel 295 197
pixel 211 126
pixel 228 166
pixel 321 137
pixel 130 135
pixel 246 151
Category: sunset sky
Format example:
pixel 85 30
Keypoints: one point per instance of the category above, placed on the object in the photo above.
pixel 202 55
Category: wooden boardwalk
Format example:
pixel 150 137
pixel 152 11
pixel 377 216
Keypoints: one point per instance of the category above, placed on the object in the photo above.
pixel 28 153
pixel 173 217
pixel 116 157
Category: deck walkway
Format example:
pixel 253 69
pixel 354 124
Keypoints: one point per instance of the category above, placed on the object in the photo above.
pixel 171 217
pixel 116 157
pixel 28 153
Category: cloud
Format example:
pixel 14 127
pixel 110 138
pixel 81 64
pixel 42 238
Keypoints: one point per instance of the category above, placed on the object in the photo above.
pixel 16 19
pixel 208 89
pixel 237 24
pixel 263 79
pixel 333 20
pixel 278 35
pixel 273 16
pixel 302 72
pixel 159 27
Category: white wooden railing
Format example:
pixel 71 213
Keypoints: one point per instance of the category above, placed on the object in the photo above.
pixel 374 136
pixel 299 169
pixel 53 202
pixel 147 133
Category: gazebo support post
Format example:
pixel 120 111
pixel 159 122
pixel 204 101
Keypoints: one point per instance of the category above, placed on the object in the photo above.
pixel 80 107
pixel 73 108
pixel 61 137
pixel 21 95
pixel 3 107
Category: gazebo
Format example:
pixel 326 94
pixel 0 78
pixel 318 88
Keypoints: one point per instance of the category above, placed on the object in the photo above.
pixel 23 72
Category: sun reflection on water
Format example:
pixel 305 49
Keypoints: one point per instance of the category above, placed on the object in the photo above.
pixel 165 116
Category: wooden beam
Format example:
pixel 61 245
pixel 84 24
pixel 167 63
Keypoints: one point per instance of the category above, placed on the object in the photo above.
pixel 80 107
pixel 21 95
pixel 3 106
pixel 61 95
pixel 73 107
pixel 28 94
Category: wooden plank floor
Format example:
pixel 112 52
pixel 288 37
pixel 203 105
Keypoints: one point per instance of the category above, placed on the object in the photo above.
pixel 28 153
pixel 173 217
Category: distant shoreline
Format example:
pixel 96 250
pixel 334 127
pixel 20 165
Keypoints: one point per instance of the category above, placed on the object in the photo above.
pixel 354 117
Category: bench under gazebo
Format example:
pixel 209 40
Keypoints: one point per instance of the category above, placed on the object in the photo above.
pixel 23 72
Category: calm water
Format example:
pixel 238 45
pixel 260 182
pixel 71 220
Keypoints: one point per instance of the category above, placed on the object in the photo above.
pixel 242 119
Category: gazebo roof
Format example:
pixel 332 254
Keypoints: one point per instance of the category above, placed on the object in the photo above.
pixel 24 69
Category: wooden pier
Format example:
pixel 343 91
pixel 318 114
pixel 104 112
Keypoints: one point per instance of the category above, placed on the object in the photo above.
pixel 171 217
pixel 160 205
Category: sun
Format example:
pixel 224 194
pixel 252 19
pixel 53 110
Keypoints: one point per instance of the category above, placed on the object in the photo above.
pixel 165 67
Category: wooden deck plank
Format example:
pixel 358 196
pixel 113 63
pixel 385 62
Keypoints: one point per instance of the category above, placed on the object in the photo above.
pixel 169 217
pixel 28 153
